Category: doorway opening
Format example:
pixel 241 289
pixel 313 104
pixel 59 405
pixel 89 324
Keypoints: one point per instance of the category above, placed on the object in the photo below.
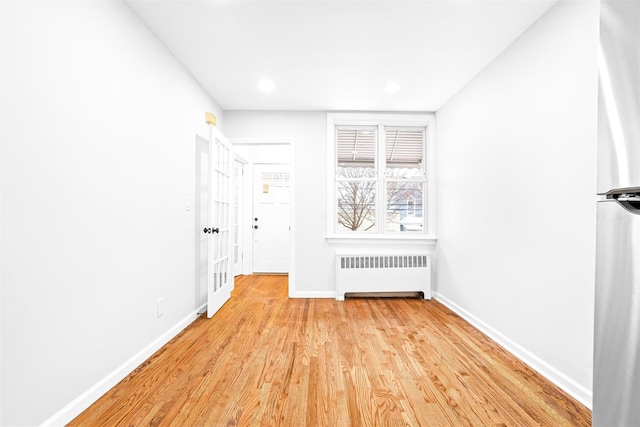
pixel 269 183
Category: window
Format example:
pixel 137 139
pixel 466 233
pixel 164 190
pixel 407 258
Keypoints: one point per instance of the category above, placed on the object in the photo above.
pixel 379 174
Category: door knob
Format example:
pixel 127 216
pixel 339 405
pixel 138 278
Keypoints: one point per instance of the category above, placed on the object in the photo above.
pixel 255 227
pixel 211 230
pixel 207 230
pixel 215 230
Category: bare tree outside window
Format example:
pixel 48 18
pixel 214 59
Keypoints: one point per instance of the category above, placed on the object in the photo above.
pixel 356 199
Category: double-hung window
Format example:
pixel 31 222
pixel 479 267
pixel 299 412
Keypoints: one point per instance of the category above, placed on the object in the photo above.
pixel 379 174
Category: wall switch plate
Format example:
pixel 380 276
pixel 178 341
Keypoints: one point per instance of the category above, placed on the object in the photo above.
pixel 160 307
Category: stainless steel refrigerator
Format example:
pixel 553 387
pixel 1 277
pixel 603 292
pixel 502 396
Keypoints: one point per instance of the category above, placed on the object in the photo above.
pixel 616 382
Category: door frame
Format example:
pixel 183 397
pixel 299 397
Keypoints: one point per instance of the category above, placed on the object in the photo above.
pixel 241 207
pixel 248 199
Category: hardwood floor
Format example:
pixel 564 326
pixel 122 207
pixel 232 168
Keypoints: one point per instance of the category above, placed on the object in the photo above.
pixel 267 360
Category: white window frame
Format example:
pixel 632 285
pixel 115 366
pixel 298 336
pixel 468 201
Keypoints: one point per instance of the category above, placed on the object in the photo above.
pixel 426 120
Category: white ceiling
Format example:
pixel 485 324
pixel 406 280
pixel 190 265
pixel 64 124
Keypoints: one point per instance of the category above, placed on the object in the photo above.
pixel 337 55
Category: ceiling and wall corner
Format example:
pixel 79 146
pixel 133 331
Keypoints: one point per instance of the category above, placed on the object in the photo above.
pixel 337 55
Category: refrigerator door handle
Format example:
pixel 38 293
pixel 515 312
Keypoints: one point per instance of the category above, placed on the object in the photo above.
pixel 629 199
pixel 630 204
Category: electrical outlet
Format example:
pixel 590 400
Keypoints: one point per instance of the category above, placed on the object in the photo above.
pixel 160 307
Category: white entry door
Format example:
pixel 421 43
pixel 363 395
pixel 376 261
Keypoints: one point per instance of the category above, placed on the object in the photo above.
pixel 219 229
pixel 270 225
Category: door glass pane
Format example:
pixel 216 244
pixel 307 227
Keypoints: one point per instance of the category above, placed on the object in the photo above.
pixel 404 206
pixel 275 184
pixel 356 206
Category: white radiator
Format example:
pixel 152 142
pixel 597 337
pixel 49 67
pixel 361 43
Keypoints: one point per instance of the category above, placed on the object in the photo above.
pixel 388 274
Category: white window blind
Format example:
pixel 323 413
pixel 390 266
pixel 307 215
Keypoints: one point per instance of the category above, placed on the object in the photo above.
pixel 404 148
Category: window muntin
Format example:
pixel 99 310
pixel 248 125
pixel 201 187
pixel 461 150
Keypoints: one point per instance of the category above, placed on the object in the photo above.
pixel 380 173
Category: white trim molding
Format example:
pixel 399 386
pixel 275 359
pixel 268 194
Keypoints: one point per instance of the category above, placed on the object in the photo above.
pixel 312 294
pixel 392 239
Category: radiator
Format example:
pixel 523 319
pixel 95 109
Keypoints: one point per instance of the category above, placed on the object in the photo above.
pixel 384 274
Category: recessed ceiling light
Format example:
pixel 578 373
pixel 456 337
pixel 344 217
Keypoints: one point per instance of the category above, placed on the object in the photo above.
pixel 265 85
pixel 392 87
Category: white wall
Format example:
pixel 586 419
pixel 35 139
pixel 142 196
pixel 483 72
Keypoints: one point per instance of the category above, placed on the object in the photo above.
pixel 516 184
pixel 98 124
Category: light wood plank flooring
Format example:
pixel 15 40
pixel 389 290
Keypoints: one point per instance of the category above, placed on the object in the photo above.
pixel 267 360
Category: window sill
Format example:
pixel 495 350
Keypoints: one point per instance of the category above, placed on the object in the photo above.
pixel 413 239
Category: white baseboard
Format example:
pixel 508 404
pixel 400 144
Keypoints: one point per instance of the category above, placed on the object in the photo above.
pixel 312 294
pixel 86 399
pixel 577 391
